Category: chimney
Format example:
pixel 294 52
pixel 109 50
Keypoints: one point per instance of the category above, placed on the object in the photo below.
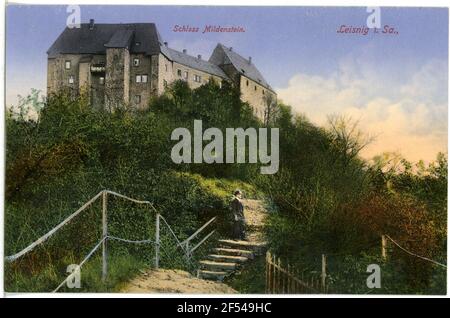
pixel 166 44
pixel 249 60
pixel 184 51
pixel 91 24
pixel 199 57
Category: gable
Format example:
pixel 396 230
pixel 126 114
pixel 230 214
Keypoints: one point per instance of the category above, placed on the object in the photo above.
pixel 196 63
pixel 85 40
pixel 223 55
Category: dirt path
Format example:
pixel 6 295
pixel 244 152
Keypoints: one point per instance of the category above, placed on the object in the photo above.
pixel 177 281
pixel 174 281
pixel 255 214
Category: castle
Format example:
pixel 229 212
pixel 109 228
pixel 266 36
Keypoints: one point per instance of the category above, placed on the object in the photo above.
pixel 129 63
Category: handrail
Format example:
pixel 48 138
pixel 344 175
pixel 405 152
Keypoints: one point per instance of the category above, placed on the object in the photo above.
pixel 81 264
pixel 130 199
pixel 202 241
pixel 198 231
pixel 43 238
pixel 414 254
pixel 46 236
pixel 185 250
pixel 184 245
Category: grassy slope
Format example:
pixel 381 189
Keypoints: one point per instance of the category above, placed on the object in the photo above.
pixel 124 263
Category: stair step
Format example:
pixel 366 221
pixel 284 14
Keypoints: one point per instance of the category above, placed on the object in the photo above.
pixel 243 244
pixel 235 252
pixel 212 275
pixel 227 258
pixel 221 266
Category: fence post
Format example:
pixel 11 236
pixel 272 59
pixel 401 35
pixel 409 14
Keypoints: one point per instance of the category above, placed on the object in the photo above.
pixel 383 247
pixel 188 254
pixel 267 271
pixel 279 278
pixel 288 290
pixel 274 274
pixel 157 242
pixel 104 233
pixel 324 271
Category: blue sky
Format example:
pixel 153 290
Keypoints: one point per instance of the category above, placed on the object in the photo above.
pixel 299 52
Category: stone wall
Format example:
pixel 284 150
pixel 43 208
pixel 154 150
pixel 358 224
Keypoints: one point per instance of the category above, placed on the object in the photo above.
pixel 256 95
pixel 97 86
pixel 58 76
pixel 117 86
pixel 166 75
pixel 204 77
pixel 139 89
pixel 117 79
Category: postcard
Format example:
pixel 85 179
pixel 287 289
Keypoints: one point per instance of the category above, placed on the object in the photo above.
pixel 226 150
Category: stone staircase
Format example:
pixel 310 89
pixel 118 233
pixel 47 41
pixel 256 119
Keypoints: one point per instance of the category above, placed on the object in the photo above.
pixel 228 257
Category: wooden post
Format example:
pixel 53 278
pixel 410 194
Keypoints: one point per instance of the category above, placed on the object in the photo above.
pixel 324 272
pixel 274 278
pixel 289 279
pixel 274 274
pixel 104 234
pixel 267 272
pixel 383 247
pixel 282 276
pixel 157 241
pixel 188 254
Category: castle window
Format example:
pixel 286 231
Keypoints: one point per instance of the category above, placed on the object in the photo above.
pixel 144 78
pixel 138 43
pixel 264 92
pixel 136 62
pixel 255 88
pixel 197 78
pixel 137 99
pixel 71 80
pixel 247 83
pixel 179 72
pixel 101 80
pixel 68 65
pixel 166 67
pixel 138 78
pixel 186 75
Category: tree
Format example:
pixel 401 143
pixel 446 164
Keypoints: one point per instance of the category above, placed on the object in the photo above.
pixel 346 137
pixel 271 109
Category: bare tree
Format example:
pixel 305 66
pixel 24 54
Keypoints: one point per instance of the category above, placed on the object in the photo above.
pixel 346 136
pixel 271 109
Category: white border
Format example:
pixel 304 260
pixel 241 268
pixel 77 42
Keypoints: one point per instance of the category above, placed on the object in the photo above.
pixel 396 3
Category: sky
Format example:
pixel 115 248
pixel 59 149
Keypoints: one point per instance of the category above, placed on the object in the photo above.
pixel 394 84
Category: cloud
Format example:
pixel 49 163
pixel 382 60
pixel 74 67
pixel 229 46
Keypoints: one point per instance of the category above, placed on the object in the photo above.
pixel 407 116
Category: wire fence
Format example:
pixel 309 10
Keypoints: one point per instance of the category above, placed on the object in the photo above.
pixel 343 272
pixel 283 278
pixel 154 239
pixel 410 253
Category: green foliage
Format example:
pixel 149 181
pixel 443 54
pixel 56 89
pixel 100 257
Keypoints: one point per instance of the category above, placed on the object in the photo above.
pixel 250 279
pixel 57 163
pixel 327 200
pixel 324 198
